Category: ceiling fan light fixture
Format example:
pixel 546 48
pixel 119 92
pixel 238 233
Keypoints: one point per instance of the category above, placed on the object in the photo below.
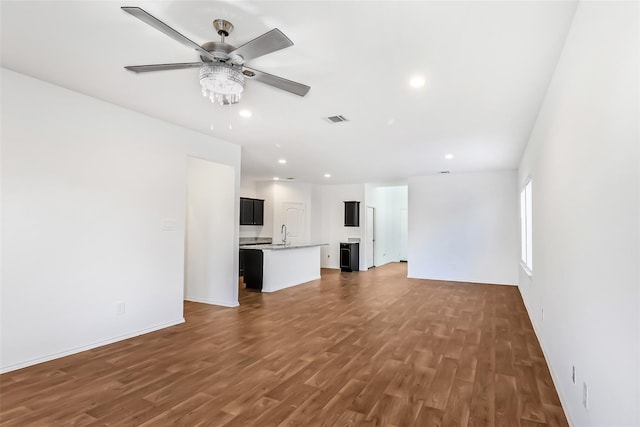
pixel 222 82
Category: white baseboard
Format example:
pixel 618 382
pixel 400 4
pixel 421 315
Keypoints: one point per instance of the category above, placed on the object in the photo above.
pixel 75 350
pixel 213 302
pixel 554 376
pixel 462 281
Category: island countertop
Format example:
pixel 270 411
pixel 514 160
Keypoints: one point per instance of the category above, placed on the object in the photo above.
pixel 279 246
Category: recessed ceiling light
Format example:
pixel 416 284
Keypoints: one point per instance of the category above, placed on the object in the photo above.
pixel 448 156
pixel 245 113
pixel 282 161
pixel 275 178
pixel 417 81
pixel 327 175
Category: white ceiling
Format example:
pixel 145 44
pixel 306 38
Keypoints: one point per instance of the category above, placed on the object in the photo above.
pixel 487 66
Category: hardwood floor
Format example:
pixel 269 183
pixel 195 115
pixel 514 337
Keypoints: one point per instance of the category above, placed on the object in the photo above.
pixel 367 348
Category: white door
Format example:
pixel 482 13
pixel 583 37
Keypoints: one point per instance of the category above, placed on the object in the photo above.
pixel 294 217
pixel 371 238
pixel 404 233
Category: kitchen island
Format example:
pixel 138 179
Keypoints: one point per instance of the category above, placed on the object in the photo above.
pixel 269 268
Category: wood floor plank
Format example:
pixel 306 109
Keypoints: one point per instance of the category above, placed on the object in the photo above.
pixel 468 362
pixel 529 401
pixel 349 419
pixel 441 384
pixel 180 414
pixel 554 416
pixel 456 413
pixel 429 417
pixel 352 349
pixel 391 410
pixel 339 403
pixel 482 412
pixel 506 401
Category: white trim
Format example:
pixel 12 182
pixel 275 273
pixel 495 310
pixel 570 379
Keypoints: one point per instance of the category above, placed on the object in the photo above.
pixel 526 225
pixel 554 376
pixel 526 269
pixel 213 302
pixel 101 343
pixel 462 281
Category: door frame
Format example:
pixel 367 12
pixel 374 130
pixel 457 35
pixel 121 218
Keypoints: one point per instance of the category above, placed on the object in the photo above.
pixel 370 241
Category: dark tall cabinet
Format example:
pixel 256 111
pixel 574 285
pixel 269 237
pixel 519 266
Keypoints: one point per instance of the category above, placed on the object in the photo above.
pixel 349 256
pixel 251 211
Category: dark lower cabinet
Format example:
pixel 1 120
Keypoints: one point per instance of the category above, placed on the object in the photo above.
pixel 349 256
pixel 252 262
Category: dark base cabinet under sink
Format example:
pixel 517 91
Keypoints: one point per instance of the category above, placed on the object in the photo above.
pixel 349 256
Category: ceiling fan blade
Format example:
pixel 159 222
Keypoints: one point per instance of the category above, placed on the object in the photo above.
pixel 270 41
pixel 275 81
pixel 163 67
pixel 161 26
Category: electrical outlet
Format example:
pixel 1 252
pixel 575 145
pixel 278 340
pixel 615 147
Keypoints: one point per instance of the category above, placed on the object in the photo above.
pixel 573 374
pixel 585 395
pixel 120 308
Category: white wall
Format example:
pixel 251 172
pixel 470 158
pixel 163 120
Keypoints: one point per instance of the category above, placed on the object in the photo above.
pixel 248 188
pixel 93 213
pixel 583 158
pixel 464 227
pixel 332 221
pixel 284 192
pixel 210 247
pixel 274 194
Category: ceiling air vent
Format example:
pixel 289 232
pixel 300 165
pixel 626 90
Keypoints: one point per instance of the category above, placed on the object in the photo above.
pixel 445 172
pixel 337 119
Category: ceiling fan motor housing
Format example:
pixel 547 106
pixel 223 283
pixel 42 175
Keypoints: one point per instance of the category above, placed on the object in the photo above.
pixel 221 51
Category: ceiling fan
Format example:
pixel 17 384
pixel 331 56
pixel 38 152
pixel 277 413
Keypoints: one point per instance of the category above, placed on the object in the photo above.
pixel 222 69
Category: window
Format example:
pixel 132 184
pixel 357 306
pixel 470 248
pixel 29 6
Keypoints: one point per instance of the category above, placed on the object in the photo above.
pixel 526 228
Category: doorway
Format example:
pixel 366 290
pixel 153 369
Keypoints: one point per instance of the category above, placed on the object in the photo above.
pixel 210 240
pixel 404 234
pixel 370 236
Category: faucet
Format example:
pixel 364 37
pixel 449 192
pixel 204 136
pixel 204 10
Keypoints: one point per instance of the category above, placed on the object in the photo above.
pixel 284 235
